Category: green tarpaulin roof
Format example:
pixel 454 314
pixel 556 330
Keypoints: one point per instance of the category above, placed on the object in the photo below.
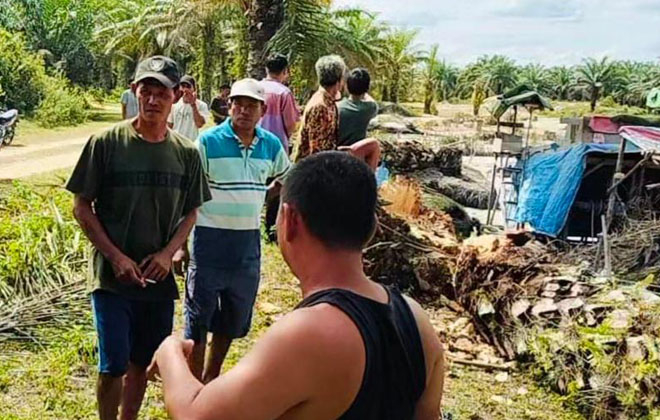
pixel 653 98
pixel 521 95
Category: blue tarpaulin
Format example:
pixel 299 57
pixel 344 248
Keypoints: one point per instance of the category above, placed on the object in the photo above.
pixel 551 182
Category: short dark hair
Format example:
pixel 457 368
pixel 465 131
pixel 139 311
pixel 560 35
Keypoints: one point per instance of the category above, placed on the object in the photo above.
pixel 335 194
pixel 358 81
pixel 225 86
pixel 277 63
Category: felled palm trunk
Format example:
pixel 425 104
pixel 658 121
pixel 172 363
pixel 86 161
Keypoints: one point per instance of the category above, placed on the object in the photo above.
pixel 410 155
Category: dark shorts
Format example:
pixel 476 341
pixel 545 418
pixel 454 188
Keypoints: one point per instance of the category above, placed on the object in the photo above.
pixel 220 301
pixel 129 330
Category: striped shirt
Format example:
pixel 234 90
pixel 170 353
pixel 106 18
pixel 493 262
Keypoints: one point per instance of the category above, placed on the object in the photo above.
pixel 238 175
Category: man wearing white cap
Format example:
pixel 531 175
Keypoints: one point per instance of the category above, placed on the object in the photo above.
pixel 224 270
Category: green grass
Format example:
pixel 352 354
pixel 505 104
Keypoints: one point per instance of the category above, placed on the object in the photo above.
pixel 101 116
pixel 476 394
pixel 580 109
pixel 58 381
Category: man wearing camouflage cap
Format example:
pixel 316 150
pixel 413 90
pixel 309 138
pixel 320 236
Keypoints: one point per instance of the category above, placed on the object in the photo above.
pixel 137 188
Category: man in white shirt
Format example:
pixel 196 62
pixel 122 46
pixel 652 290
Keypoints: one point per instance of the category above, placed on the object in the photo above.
pixel 129 104
pixel 189 114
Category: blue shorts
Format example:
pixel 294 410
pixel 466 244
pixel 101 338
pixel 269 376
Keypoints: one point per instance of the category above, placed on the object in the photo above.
pixel 129 330
pixel 220 301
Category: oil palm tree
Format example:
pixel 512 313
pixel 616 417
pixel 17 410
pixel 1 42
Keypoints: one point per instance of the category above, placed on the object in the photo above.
pixel 595 76
pixel 562 80
pixel 498 72
pixel 536 77
pixel 447 80
pixel 398 61
pixel 353 33
pixel 494 75
pixel 430 78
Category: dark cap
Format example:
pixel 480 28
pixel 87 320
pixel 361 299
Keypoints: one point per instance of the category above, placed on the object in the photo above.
pixel 161 68
pixel 188 79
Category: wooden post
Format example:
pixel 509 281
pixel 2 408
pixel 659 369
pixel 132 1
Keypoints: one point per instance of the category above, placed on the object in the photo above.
pixel 515 119
pixel 606 248
pixel 491 207
pixel 615 178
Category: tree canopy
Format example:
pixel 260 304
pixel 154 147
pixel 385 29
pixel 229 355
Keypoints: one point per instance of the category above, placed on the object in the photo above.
pixel 98 43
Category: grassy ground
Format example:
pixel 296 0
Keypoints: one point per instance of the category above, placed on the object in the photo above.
pixel 101 115
pixel 57 380
pixel 579 109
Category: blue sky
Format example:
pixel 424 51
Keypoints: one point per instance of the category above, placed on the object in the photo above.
pixel 547 31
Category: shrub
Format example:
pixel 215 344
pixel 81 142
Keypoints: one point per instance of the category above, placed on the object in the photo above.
pixel 115 94
pixel 40 243
pixel 63 104
pixel 22 73
pixel 96 94
pixel 609 102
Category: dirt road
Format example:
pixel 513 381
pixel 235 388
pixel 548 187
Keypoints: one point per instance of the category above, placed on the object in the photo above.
pixel 19 161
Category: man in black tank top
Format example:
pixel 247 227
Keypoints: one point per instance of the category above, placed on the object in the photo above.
pixel 352 349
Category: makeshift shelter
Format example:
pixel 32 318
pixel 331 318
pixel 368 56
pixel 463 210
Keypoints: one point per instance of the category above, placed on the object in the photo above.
pixel 509 149
pixel 565 191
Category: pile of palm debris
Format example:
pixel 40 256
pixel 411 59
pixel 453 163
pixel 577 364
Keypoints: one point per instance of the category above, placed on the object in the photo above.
pixel 594 339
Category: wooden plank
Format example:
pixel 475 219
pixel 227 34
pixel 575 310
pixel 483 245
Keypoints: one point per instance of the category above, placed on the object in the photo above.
pixel 511 124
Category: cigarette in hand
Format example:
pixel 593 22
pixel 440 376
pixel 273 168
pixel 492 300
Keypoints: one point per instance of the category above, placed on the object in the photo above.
pixel 150 281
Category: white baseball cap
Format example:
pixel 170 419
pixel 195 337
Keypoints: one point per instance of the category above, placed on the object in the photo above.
pixel 248 87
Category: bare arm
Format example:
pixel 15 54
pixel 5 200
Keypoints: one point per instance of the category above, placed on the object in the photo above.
pixel 197 116
pixel 123 111
pixel 182 232
pixel 293 365
pixel 262 386
pixel 158 265
pixel 124 268
pixel 290 114
pixel 428 406
pixel 367 150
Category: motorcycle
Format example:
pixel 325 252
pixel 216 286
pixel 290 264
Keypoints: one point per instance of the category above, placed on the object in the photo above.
pixel 8 122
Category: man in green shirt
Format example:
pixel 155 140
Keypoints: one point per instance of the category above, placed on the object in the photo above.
pixel 356 111
pixel 137 188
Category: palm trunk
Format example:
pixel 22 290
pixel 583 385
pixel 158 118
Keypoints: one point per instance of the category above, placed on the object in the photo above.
pixel 428 98
pixel 207 58
pixel 265 17
pixel 384 92
pixel 222 56
pixel 595 91
pixel 394 87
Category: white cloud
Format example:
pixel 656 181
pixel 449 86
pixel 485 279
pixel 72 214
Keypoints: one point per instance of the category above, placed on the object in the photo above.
pixel 546 31
pixel 539 9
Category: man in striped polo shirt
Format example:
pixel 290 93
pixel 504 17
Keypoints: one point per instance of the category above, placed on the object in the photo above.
pixel 225 259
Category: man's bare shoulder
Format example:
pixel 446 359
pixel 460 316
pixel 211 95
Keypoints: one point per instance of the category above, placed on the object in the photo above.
pixel 323 329
pixel 320 352
pixel 430 340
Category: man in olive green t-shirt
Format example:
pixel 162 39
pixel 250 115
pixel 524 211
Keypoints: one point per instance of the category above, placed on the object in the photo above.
pixel 137 188
pixel 356 111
